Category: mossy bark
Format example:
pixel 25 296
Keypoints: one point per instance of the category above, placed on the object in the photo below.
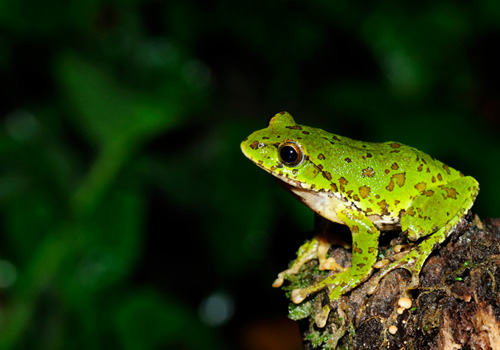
pixel 456 306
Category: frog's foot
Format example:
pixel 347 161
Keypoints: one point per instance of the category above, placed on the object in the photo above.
pixel 326 262
pixel 397 256
pixel 411 260
pixel 337 284
pixel 278 282
pixel 318 248
pixel 321 316
pixel 307 252
pixel 401 248
pixel 299 294
pixel 330 264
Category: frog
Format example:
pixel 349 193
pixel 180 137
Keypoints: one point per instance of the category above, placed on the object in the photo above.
pixel 370 187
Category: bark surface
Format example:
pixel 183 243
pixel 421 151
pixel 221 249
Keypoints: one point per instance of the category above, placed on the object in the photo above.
pixel 456 306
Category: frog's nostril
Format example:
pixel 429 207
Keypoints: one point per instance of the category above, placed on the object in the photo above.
pixel 254 145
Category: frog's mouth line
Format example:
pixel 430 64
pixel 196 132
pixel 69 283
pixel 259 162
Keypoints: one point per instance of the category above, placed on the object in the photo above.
pixel 291 183
pixel 283 178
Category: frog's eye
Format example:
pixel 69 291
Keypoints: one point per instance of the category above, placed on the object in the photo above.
pixel 290 154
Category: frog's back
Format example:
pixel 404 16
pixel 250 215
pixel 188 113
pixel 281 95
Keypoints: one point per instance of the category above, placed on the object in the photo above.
pixel 379 178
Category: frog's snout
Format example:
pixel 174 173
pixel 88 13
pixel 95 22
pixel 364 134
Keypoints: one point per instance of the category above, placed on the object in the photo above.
pixel 244 146
pixel 252 148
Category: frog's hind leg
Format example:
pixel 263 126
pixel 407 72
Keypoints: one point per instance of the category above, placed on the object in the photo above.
pixel 415 258
pixel 437 213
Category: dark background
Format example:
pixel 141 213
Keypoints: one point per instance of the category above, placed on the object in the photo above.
pixel 129 217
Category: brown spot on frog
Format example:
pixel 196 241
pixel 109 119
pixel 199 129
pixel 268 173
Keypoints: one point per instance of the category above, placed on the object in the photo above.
pixel 368 172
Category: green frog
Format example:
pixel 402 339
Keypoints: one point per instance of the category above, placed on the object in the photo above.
pixel 367 186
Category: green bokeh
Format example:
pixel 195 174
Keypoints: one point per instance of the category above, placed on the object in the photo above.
pixel 125 201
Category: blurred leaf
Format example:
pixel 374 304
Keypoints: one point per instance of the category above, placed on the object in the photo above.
pixel 27 219
pixel 112 117
pixel 81 259
pixel 32 192
pixel 410 53
pixel 33 280
pixel 107 112
pixel 110 243
pixel 236 242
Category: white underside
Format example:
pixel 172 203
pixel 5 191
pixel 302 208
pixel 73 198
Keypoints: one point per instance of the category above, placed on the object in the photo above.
pixel 328 204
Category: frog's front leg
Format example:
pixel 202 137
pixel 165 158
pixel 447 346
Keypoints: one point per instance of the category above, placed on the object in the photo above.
pixel 307 252
pixel 315 248
pixel 364 254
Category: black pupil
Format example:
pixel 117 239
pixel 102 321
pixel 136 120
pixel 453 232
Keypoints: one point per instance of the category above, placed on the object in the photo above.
pixel 288 154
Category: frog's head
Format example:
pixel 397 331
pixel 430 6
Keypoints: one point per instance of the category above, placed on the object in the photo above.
pixel 282 149
pixel 300 157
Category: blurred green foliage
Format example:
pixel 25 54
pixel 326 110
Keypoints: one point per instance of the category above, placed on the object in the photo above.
pixel 125 201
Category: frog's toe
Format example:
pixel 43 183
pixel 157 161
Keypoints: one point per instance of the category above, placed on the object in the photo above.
pixel 278 282
pixel 381 263
pixel 321 316
pixel 401 248
pixel 331 264
pixel 299 294
pixel 415 280
pixel 336 291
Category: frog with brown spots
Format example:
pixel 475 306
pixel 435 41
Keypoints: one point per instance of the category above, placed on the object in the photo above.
pixel 382 191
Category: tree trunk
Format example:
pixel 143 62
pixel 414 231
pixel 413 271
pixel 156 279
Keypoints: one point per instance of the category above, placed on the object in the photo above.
pixel 456 305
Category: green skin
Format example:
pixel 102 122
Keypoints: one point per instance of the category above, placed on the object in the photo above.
pixel 368 187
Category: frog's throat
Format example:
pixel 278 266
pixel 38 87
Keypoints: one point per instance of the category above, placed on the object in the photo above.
pixel 323 203
pixel 327 204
